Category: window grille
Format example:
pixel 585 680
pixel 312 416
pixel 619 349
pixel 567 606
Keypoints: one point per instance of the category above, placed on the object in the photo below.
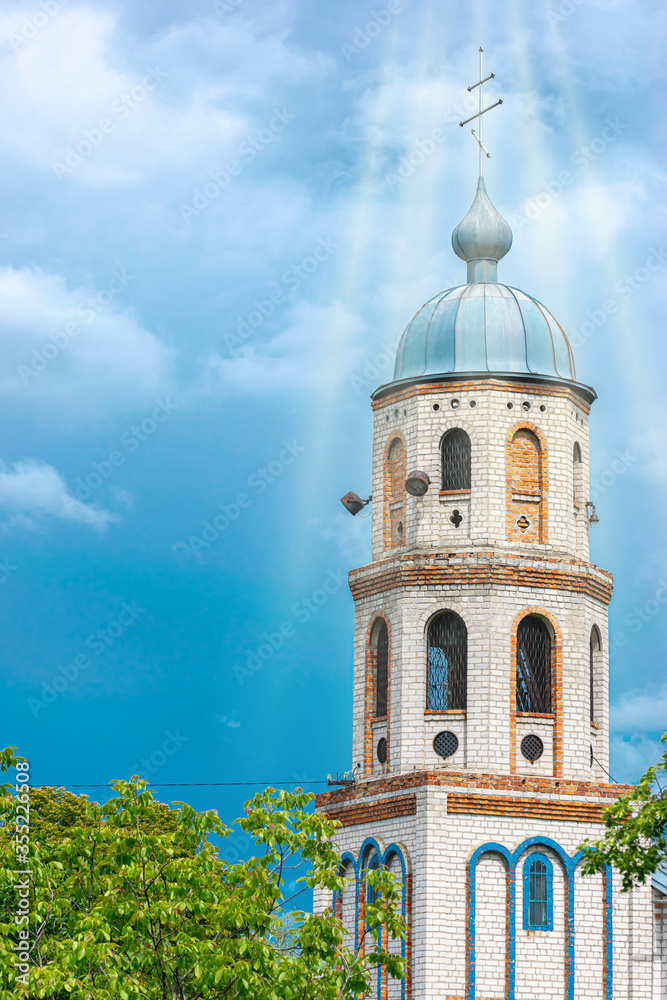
pixel 381 669
pixel 533 666
pixel 446 744
pixel 538 894
pixel 381 750
pixel 456 460
pixel 532 747
pixel 447 662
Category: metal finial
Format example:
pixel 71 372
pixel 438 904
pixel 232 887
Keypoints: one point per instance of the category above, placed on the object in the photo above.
pixel 482 111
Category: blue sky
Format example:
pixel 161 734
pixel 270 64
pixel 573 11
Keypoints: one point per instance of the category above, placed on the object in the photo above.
pixel 211 240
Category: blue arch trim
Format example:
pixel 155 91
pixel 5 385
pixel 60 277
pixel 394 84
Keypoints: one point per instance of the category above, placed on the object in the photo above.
pixel 569 865
pixel 371 848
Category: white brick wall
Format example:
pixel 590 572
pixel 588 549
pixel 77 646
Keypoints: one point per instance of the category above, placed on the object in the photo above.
pixel 439 848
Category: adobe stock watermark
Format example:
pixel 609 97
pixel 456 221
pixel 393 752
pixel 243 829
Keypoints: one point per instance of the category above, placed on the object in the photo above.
pixel 619 466
pixel 130 441
pixel 422 150
pixel 624 289
pixel 6 570
pixel 23 872
pixel 119 110
pixel 222 7
pixel 247 151
pixel 375 368
pixel 32 24
pixel 640 616
pixel 378 20
pixel 292 279
pixel 565 9
pixel 302 611
pixel 61 339
pixel 149 766
pixel 98 642
pixel 257 483
pixel 581 159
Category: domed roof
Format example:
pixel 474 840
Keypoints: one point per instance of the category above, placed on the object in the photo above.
pixel 484 327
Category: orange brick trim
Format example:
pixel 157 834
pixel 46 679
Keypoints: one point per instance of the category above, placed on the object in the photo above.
pixel 369 694
pixel 462 779
pixel 375 812
pixel 556 688
pixel 551 809
pixel 519 388
pixel 393 487
pixel 378 579
pixel 525 474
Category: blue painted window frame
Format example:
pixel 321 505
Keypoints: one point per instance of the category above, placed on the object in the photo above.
pixel 538 893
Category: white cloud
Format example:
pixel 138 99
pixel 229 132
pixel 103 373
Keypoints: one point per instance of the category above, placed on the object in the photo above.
pixel 65 81
pixel 640 712
pixel 320 343
pixel 630 758
pixel 33 489
pixel 75 348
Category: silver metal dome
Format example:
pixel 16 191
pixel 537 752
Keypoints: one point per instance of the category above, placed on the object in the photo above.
pixel 484 327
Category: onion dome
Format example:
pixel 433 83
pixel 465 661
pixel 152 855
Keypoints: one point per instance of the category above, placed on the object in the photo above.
pixel 482 238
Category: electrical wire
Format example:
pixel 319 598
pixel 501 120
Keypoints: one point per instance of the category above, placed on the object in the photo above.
pixel 603 768
pixel 191 784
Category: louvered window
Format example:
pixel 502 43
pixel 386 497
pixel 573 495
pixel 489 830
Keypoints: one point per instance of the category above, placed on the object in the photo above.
pixel 533 666
pixel 456 460
pixel 447 662
pixel 381 669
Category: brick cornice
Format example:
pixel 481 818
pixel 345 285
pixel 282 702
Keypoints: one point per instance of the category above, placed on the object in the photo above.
pixel 476 569
pixel 367 812
pixel 514 805
pixel 461 779
pixel 457 383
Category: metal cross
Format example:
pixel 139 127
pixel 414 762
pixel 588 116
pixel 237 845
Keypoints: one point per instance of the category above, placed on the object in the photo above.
pixel 482 111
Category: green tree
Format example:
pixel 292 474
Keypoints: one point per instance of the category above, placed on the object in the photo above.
pixel 635 842
pixel 132 900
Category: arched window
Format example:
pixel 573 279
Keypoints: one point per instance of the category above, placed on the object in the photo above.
pixel 456 460
pixel 533 666
pixel 595 651
pixel 538 913
pixel 394 495
pixel 577 475
pixel 526 516
pixel 447 668
pixel 381 667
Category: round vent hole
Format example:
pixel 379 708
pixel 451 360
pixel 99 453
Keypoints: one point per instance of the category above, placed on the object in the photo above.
pixel 455 403
pixel 445 744
pixel 436 406
pixel 510 406
pixel 532 747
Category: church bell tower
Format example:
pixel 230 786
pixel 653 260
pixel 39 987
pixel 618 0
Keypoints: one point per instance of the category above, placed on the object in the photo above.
pixel 481 724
